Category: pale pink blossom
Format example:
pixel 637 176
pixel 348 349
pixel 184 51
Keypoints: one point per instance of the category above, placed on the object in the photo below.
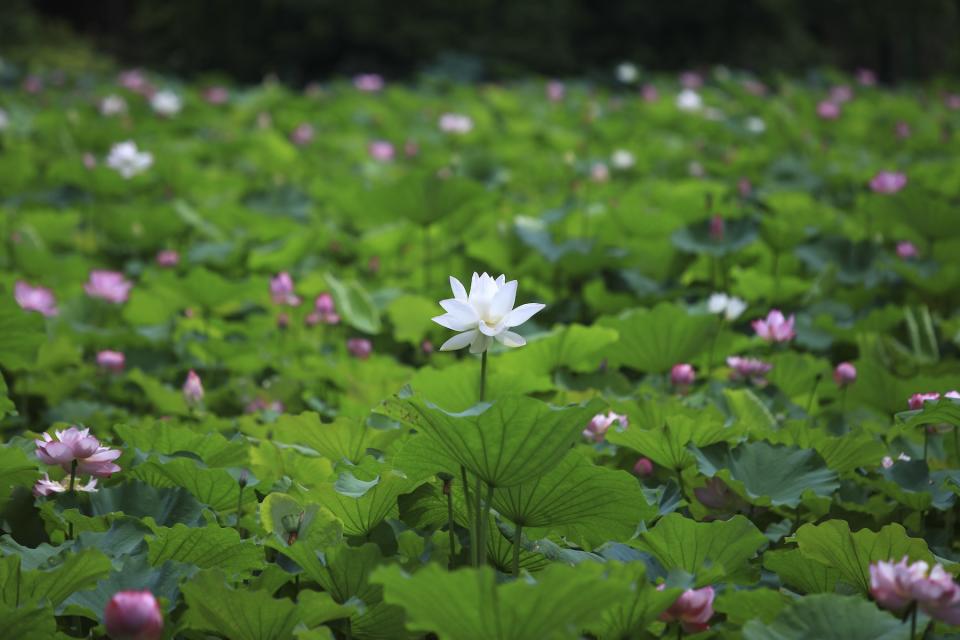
pixel 113 105
pixel 381 150
pixel 693 609
pixel 598 426
pixel 168 258
pixel 360 348
pixel 46 487
pixel 324 311
pixel 906 250
pixel 368 82
pixel 456 123
pixel 828 110
pixel 896 586
pixel 682 375
pixel 649 93
pixel 952 101
pixel 866 77
pixel 845 374
pixel 643 467
pixel 902 130
pixel 39 299
pixel 717 228
pixel 134 80
pixel 775 328
pixel 77 445
pixel 111 360
pixel 302 135
pixel 917 400
pixel 133 615
pixel 411 148
pixel 193 388
pixel 599 172
pixel 841 93
pixel 691 80
pixel 426 347
pixel 886 462
pixel 111 286
pixel 281 290
pixel 260 404
pixel 749 369
pixel 556 90
pixel 888 182
pixel 89 161
pixel 216 95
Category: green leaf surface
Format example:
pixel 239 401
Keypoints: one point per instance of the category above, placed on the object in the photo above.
pixel 829 617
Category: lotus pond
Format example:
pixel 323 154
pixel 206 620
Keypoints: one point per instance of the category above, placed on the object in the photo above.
pixel 262 378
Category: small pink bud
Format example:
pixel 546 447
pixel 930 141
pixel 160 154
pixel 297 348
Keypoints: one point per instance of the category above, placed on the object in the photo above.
pixel 682 375
pixel 693 609
pixel 643 467
pixel 917 400
pixel 193 388
pixel 649 93
pixel 906 250
pixel 133 615
pixel 888 182
pixel 845 374
pixel 556 91
pixel 717 228
pixel 427 347
pixel 168 258
pixel 828 110
pixel 113 361
pixel 360 348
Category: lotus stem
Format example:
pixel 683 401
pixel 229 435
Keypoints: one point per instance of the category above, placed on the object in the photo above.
pixel 479 555
pixel 448 489
pixel 517 537
pixel 472 525
pixel 483 376
pixel 813 393
pixel 73 475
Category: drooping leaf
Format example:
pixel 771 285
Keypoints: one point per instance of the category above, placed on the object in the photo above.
pixel 354 305
pixel 51 586
pixel 171 439
pixel 656 339
pixel 166 506
pixel 215 488
pixel 829 617
pixel 668 444
pixel 206 547
pixel 799 572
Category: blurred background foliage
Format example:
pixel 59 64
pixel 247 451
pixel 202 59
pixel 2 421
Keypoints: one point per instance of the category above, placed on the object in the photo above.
pixel 300 40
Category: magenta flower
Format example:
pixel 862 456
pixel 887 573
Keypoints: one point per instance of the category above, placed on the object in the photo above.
pixel 649 93
pixel 917 400
pixel 598 426
pixel 381 150
pixel 77 445
pixel 39 299
pixel 133 615
pixel 775 328
pixel 134 80
pixel 556 90
pixel 841 93
pixel 845 374
pixel 643 467
pixel 45 487
pixel 369 82
pixel 896 585
pixel 693 609
pixel 888 182
pixel 682 375
pixel 691 80
pixel 717 228
pixel 327 308
pixel 828 110
pixel 216 95
pixel 902 130
pixel 360 348
pixel 749 369
pixel 281 290
pixel 168 258
pixel 302 135
pixel 192 388
pixel 866 77
pixel 111 360
pixel 906 250
pixel 111 286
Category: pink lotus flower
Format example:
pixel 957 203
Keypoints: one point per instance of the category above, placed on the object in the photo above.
pixel 39 299
pixel 302 135
pixel 717 228
pixel 369 82
pixel 744 188
pixel 426 347
pixel 643 467
pixel 693 609
pixel 888 182
pixel 691 80
pixel 381 150
pixel 896 585
pixel 841 93
pixel 360 348
pixel 556 90
pixel 260 404
pixel 193 388
pixel 216 95
pixel 828 110
pixel 111 360
pixel 134 80
pixel 599 425
pixel 456 123
pixel 89 161
pixel 324 311
pixel 133 615
pixel 917 400
pixel 168 258
pixel 775 328
pixel 866 77
pixel 682 375
pixel 111 286
pixel 77 445
pixel 649 93
pixel 952 101
pixel 46 487
pixel 902 130
pixel 906 250
pixel 845 374
pixel 599 172
pixel 281 290
pixel 749 368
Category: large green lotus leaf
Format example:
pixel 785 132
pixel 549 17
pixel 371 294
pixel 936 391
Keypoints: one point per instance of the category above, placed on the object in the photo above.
pixel 457 387
pixel 16 470
pixel 750 604
pixel 164 398
pixel 796 374
pixel 855 262
pixel 169 439
pixel 271 462
pixel 842 454
pixel 51 585
pixel 238 614
pixel 342 439
pixel 411 316
pixel 134 574
pixel 577 253
pixel 468 604
pixel 206 547
pixel 21 334
pixel 829 617
pixel 166 506
pixel 911 483
pixel 770 474
pixel 215 488
pixel 363 503
pixel 834 545
pixel 7 407
pixel 354 305
pixel 753 416
pixel 508 442
pixel 579 500
pixel 716 551
pixel 697 239
pixel 668 444
pixel 422 197
pixel 25 621
pixel 800 573
pixel 643 604
pixel 573 347
pixel 283 515
pixel 653 340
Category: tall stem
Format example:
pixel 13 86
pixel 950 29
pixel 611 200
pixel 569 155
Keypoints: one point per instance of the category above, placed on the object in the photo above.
pixel 483 376
pixel 517 537
pixel 713 344
pixel 913 622
pixel 813 393
pixel 453 535
pixel 926 441
pixel 240 512
pixel 472 525
pixel 73 475
pixel 680 482
pixel 479 554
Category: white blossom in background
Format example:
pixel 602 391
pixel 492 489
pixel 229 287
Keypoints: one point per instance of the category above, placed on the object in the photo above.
pixel 166 103
pixel 127 160
pixel 730 307
pixel 689 100
pixel 4 120
pixel 627 72
pixel 485 314
pixel 113 105
pixel 622 159
pixel 455 123
pixel 754 124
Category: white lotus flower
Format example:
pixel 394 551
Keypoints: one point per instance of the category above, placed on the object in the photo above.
pixel 4 120
pixel 166 103
pixel 113 105
pixel 622 159
pixel 689 100
pixel 127 160
pixel 754 124
pixel 730 306
pixel 485 315
pixel 627 72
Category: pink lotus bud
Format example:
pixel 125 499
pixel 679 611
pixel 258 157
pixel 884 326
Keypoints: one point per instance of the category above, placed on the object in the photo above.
pixel 168 258
pixel 841 93
pixel 845 374
pixel 598 426
pixel 828 110
pixel 111 286
pixel 682 375
pixel 902 130
pixel 281 290
pixel 216 95
pixel 888 182
pixel 426 347
pixel 111 360
pixel 691 80
pixel 193 388
pixel 599 172
pixel 556 91
pixel 456 123
pixel 134 80
pixel 410 148
pixel 749 368
pixel 39 299
pixel 717 228
pixel 866 77
pixel 744 188
pixel 917 400
pixel 368 82
pixel 886 462
pixel 906 250
pixel 77 445
pixel 775 328
pixel 324 304
pixel 643 467
pixel 952 101
pixel 360 348
pixel 649 93
pixel 693 609
pixel 133 615
pixel 89 161
pixel 302 135
pixel 381 150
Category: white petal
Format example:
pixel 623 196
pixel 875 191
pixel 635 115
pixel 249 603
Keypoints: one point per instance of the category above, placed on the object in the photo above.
pixel 481 343
pixel 474 285
pixel 523 313
pixel 511 339
pixel 501 280
pixel 503 301
pixel 459 341
pixel 491 331
pixel 461 311
pixel 453 323
pixel 459 293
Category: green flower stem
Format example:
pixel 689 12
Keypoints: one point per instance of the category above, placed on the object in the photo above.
pixel 517 537
pixel 479 554
pixel 483 376
pixel 450 521
pixel 813 393
pixel 73 475
pixel 470 522
pixel 713 344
